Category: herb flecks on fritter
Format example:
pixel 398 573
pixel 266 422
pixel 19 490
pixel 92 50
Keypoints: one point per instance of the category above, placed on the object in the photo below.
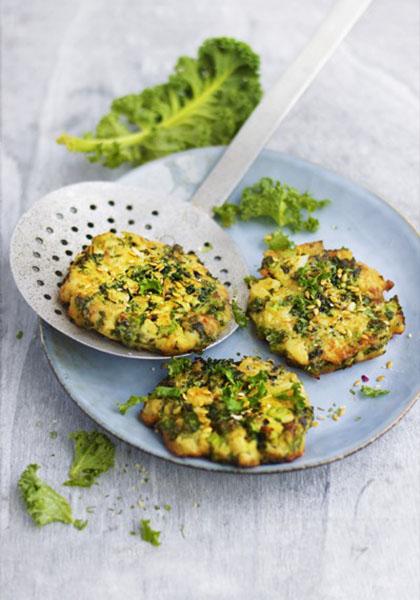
pixel 321 309
pixel 145 294
pixel 246 413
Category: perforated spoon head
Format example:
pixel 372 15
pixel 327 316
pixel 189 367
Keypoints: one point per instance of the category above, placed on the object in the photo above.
pixel 57 227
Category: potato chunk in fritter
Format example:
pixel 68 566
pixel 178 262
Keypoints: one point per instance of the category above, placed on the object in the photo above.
pixel 321 309
pixel 146 295
pixel 246 413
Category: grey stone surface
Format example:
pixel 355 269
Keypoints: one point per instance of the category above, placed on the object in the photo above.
pixel 341 532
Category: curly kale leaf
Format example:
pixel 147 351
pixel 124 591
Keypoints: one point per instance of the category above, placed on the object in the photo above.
pixel 94 453
pixel 44 504
pixel 204 103
pixel 280 202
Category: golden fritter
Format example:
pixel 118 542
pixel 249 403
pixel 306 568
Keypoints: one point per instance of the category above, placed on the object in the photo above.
pixel 246 413
pixel 146 295
pixel 321 309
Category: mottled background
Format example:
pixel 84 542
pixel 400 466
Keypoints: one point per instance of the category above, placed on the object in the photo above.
pixel 345 531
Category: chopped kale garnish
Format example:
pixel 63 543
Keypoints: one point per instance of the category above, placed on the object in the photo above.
pixel 148 534
pixel 371 392
pixel 239 315
pixel 163 391
pixel 132 401
pixel 178 365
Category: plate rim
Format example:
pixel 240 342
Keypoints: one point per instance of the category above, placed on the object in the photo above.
pixel 226 468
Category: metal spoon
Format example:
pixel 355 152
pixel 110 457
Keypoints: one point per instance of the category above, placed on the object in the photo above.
pixel 54 229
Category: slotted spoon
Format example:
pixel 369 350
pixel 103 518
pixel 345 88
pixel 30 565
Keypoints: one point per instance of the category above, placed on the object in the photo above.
pixel 55 228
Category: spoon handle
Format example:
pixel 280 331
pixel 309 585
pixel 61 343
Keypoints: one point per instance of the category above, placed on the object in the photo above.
pixel 265 119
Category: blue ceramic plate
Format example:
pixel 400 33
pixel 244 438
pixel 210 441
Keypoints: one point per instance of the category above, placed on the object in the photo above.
pixel 356 218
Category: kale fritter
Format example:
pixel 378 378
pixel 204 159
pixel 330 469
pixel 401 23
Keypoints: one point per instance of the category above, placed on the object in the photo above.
pixel 246 413
pixel 321 309
pixel 146 295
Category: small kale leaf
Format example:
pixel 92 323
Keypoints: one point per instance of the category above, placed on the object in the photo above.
pixel 94 453
pixel 148 534
pixel 132 401
pixel 44 504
